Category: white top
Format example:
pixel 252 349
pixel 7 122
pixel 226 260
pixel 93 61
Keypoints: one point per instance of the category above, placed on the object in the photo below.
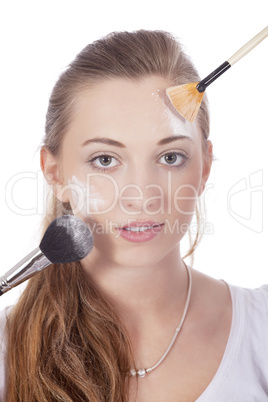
pixel 243 373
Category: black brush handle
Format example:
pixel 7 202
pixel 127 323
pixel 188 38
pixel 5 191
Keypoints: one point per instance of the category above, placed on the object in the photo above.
pixel 213 76
pixel 232 60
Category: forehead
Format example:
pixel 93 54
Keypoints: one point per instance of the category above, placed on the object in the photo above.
pixel 127 108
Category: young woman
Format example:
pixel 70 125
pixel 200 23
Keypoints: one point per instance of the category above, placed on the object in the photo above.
pixel 131 321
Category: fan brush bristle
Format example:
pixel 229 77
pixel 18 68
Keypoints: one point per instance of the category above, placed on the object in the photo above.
pixel 186 99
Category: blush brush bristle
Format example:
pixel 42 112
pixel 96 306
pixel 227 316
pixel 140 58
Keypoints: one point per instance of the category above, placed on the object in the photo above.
pixel 67 239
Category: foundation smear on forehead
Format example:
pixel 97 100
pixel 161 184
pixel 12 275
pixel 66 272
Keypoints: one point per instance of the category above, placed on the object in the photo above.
pixel 177 124
pixel 85 198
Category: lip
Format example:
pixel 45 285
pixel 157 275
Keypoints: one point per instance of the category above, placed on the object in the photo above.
pixel 141 224
pixel 154 228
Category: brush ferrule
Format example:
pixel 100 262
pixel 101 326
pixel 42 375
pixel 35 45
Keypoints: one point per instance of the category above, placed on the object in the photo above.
pixel 25 269
pixel 201 87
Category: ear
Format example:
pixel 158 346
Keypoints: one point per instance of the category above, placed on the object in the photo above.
pixel 207 163
pixel 50 167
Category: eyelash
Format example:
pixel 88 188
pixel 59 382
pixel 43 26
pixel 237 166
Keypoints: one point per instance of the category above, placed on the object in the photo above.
pixel 105 169
pixel 99 168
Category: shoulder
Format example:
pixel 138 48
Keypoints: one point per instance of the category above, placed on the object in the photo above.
pixel 3 320
pixel 252 302
pixel 263 291
pixel 250 310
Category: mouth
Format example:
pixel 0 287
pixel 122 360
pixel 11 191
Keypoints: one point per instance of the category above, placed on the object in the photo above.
pixel 142 226
pixel 140 231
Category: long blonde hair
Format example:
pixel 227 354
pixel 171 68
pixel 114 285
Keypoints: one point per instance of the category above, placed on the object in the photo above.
pixel 65 341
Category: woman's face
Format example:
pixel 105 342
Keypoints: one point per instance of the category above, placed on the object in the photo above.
pixel 128 159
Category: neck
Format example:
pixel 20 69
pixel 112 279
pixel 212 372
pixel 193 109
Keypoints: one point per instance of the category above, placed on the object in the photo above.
pixel 143 296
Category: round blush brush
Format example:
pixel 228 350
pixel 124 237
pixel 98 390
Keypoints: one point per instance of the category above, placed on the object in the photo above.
pixel 187 98
pixel 67 239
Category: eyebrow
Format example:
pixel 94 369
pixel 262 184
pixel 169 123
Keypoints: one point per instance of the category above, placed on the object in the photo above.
pixel 108 141
pixel 172 138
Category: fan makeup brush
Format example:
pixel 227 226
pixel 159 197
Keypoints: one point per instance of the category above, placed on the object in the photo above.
pixel 187 98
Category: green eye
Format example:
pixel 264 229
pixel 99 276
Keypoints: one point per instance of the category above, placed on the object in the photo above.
pixel 173 159
pixel 170 158
pixel 105 160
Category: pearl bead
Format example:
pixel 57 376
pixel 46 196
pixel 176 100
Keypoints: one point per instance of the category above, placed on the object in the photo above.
pixel 141 372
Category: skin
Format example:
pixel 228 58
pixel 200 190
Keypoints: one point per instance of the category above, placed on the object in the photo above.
pixel 146 282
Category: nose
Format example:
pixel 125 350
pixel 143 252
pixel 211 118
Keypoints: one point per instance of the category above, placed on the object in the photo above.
pixel 141 196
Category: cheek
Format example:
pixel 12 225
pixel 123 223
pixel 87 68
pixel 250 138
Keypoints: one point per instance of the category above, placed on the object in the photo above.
pixel 186 190
pixel 185 198
pixel 97 195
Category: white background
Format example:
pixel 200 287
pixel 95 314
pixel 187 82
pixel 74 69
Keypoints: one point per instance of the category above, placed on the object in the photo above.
pixel 38 39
